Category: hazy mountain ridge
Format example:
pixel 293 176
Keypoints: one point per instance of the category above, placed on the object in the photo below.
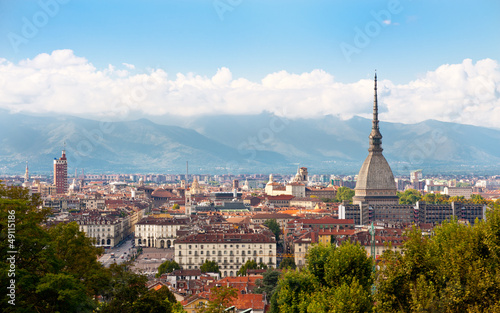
pixel 242 143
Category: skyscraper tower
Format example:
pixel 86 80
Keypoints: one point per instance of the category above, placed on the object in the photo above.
pixel 375 183
pixel 61 174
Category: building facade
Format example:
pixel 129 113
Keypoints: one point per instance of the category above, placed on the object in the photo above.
pixel 61 174
pixel 107 230
pixel 229 250
pixel 158 232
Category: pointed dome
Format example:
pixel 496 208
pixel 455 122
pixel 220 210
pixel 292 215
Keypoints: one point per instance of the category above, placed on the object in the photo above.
pixel 375 173
pixel 375 182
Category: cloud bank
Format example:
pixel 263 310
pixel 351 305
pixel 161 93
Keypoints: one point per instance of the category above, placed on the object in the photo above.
pixel 63 83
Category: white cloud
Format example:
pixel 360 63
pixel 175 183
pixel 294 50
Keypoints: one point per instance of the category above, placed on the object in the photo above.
pixel 129 66
pixel 387 22
pixel 64 83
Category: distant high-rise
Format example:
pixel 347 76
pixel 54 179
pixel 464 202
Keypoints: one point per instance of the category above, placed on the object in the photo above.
pixel 61 174
pixel 375 183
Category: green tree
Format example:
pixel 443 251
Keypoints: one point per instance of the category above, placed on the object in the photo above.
pixel 125 287
pixel 457 269
pixel 348 263
pixel 478 199
pixel 250 265
pixel 294 292
pixel 336 279
pixel 460 199
pixel 221 297
pixel 63 293
pixel 128 293
pixel 162 300
pixel 175 206
pixel 345 298
pixel 288 263
pixel 273 225
pixel 430 198
pixel 210 267
pixel 56 267
pixel 76 253
pixel 344 193
pixel 409 196
pixel 317 258
pixel 167 267
pixel 268 283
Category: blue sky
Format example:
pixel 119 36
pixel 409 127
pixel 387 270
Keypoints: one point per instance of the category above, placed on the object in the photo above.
pixel 410 44
pixel 254 38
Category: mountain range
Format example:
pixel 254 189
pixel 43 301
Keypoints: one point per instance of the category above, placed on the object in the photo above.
pixel 263 143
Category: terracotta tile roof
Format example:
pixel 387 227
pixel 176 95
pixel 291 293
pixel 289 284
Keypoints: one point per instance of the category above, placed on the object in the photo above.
pixel 247 301
pixel 162 193
pixel 324 220
pixel 280 197
pixel 271 216
pixel 185 273
pixel 162 221
pixel 227 237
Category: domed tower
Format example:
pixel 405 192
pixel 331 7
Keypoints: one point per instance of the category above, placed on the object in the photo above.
pixel 375 183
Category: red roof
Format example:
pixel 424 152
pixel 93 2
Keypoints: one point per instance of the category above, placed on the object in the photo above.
pixel 280 197
pixel 162 193
pixel 325 220
pixel 247 301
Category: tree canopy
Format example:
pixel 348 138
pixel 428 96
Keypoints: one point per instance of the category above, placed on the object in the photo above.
pixel 455 270
pixel 220 299
pixel 167 267
pixel 288 263
pixel 250 265
pixel 344 193
pixel 268 283
pixel 210 267
pixel 273 225
pixel 336 279
pixel 56 267
pixel 409 196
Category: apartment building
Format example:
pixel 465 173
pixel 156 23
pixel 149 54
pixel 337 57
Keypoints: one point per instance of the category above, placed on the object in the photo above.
pixel 229 250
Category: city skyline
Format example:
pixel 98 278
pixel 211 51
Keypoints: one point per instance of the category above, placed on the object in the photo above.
pixel 183 59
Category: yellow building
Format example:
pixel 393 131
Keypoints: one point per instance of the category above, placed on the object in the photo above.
pixel 193 304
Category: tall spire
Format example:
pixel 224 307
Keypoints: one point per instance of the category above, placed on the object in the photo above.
pixel 375 135
pixel 26 173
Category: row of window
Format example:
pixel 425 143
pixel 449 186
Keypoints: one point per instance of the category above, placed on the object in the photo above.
pixel 221 262
pixel 225 252
pixel 225 246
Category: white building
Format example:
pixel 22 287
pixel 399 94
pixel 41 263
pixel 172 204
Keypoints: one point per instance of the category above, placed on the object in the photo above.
pixel 229 250
pixel 107 230
pixel 465 192
pixel 158 232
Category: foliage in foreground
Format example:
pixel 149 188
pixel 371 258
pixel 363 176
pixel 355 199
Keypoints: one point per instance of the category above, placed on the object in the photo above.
pixel 56 268
pixel 455 270
pixel 221 298
pixel 336 279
